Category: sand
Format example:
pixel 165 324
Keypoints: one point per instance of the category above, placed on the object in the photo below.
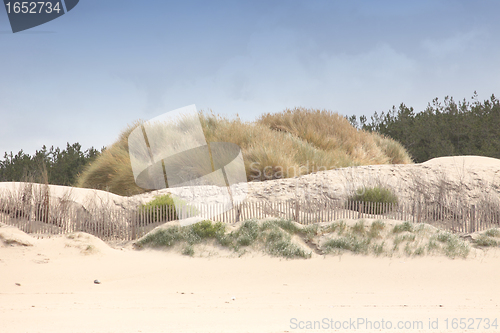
pixel 47 285
pixel 467 177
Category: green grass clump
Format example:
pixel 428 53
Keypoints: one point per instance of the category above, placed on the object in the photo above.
pixel 432 245
pixel 162 238
pixel 444 237
pixel 205 229
pixel 288 226
pixel 188 250
pixel 349 242
pixel 403 238
pixel 359 228
pixel 487 238
pixel 453 246
pixel 420 251
pixel 377 194
pixel 376 228
pixel 406 226
pixel 247 234
pixel 338 227
pixel 378 249
pixel 408 251
pixel 309 232
pixel 161 205
pixel 485 241
pixel 278 243
pixel 457 248
pixel 192 234
pixel 494 232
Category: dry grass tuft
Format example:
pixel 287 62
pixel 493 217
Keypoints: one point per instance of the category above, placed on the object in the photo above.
pixel 283 145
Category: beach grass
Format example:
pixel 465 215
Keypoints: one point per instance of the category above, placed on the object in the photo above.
pixel 292 143
pixel 279 238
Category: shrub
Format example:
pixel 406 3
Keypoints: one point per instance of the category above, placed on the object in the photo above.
pixel 433 245
pixel 191 234
pixel 457 247
pixel 350 242
pixel 359 228
pixel 278 243
pixel 162 238
pixel 486 241
pixel 376 228
pixel 309 232
pixel 378 249
pixel 188 250
pixel 247 234
pixel 403 238
pixel 420 251
pixel 288 226
pixel 453 246
pixel 444 237
pixel 377 194
pixel 205 229
pixel 406 226
pixel 338 227
pixel 161 205
pixel 492 232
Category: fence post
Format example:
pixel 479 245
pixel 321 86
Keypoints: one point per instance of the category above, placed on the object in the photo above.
pixel 133 221
pixel 297 211
pixel 418 212
pixel 360 209
pixel 473 219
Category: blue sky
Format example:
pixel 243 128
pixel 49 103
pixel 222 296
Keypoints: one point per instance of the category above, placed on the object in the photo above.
pixel 86 75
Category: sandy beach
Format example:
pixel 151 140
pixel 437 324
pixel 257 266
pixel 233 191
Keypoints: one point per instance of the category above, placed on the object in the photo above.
pixel 49 287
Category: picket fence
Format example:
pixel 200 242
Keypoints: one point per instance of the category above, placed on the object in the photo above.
pixel 111 224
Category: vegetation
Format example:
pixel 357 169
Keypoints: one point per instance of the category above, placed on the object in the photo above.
pixel 488 238
pixel 442 129
pixel 278 238
pixel 161 206
pixel 406 226
pixel 453 245
pixel 47 166
pixel 270 236
pixel 403 239
pixel 112 171
pixel 282 145
pixel 288 144
pixel 350 242
pixel 377 194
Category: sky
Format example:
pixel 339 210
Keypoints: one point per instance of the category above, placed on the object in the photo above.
pixel 85 76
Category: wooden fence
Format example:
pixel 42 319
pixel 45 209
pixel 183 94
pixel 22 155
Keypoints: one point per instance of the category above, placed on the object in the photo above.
pixel 109 224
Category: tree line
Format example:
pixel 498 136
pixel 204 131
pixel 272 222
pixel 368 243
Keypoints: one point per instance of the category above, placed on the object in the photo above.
pixel 52 166
pixel 447 128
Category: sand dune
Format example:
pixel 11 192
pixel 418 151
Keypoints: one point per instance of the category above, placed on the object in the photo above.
pixel 470 177
pixel 47 285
